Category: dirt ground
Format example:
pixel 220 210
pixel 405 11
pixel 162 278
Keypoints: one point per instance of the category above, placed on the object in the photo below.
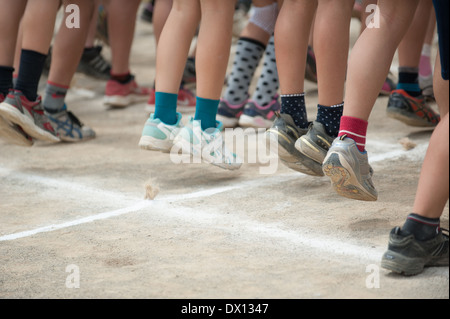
pixel 74 222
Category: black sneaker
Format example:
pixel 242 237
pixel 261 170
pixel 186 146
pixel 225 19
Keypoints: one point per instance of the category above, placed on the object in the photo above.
pixel 285 133
pixel 409 257
pixel 316 143
pixel 93 64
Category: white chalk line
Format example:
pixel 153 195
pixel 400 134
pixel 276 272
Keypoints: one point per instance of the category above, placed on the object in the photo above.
pixel 165 205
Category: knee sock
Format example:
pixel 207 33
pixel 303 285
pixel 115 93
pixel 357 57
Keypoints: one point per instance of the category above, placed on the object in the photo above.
pixel 248 55
pixel 54 98
pixel 268 84
pixel 31 67
pixel 295 106
pixel 409 81
pixel 206 112
pixel 330 117
pixel 6 79
pixel 422 228
pixel 356 129
pixel 166 107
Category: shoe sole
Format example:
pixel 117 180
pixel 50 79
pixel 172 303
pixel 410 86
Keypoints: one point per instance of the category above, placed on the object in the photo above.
pixel 150 143
pixel 297 162
pixel 228 122
pixel 255 122
pixel 13 136
pixel 406 118
pixel 310 149
pixel 12 114
pixel 120 102
pixel 344 180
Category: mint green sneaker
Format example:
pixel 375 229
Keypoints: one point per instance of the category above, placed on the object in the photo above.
pixel 207 146
pixel 157 136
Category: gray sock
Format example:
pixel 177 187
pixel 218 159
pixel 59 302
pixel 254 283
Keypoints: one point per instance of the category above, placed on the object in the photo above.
pixel 54 98
pixel 268 84
pixel 248 55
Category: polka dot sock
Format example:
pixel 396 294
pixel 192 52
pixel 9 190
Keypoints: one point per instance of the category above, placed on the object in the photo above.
pixel 295 106
pixel 330 116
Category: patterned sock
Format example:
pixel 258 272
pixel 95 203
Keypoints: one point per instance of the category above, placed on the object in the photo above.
pixel 295 106
pixel 31 67
pixel 423 228
pixel 206 112
pixel 54 98
pixel 268 85
pixel 330 116
pixel 356 129
pixel 166 107
pixel 409 81
pixel 6 79
pixel 248 55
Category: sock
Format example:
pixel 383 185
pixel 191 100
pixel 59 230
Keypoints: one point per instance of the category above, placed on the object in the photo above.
pixel 31 67
pixel 122 78
pixel 295 106
pixel 15 77
pixel 422 228
pixel 206 112
pixel 6 79
pixel 356 129
pixel 330 116
pixel 166 107
pixel 248 55
pixel 409 81
pixel 425 68
pixel 54 98
pixel 268 84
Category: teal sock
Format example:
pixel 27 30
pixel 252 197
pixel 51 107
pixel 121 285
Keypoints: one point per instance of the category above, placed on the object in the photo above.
pixel 166 107
pixel 206 112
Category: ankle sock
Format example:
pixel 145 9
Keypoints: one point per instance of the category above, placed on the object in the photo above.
pixel 422 228
pixel 295 106
pixel 206 112
pixel 31 67
pixel 409 81
pixel 330 117
pixel 122 78
pixel 356 129
pixel 54 97
pixel 6 79
pixel 166 107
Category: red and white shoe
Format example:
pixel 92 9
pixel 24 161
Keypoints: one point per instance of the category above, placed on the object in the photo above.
pixel 120 95
pixel 186 101
pixel 29 116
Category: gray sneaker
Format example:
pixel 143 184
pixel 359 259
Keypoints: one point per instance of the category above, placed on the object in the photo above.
pixel 349 170
pixel 406 255
pixel 69 127
pixel 285 133
pixel 316 143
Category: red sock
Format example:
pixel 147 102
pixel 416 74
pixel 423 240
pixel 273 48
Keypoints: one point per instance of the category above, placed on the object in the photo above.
pixel 356 129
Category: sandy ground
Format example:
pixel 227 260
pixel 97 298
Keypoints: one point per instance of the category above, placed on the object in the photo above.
pixel 74 222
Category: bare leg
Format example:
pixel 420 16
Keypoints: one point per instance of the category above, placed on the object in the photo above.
pixel 10 21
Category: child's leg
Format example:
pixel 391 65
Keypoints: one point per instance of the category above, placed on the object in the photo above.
pixel 161 12
pixel 425 66
pixel 213 53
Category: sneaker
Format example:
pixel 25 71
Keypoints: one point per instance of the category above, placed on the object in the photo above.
pixel 230 114
pixel 316 143
pixel 186 101
pixel 29 116
pixel 259 116
pixel 122 95
pixel 410 110
pixel 158 136
pixel 285 133
pixel 408 256
pixel 388 86
pixel 13 133
pixel 209 146
pixel 311 66
pixel 349 171
pixel 94 65
pixel 147 13
pixel 69 127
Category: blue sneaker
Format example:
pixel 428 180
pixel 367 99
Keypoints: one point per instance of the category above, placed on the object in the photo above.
pixel 207 146
pixel 69 127
pixel 258 116
pixel 158 136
